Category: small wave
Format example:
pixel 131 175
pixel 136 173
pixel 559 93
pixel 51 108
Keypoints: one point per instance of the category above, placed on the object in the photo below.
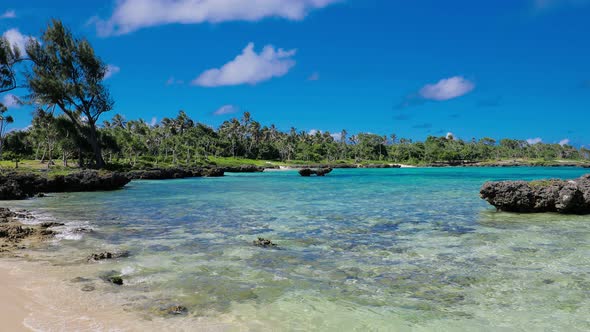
pixel 72 230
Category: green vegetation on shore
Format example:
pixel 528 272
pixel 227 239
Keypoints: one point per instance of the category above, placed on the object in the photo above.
pixel 65 81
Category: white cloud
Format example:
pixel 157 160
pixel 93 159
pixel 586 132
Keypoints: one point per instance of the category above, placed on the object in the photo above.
pixel 447 88
pixel 111 70
pixel 450 135
pixel 10 101
pixel 8 14
pixel 226 109
pixel 564 141
pixel 314 131
pixel 153 122
pixel 533 141
pixel 17 39
pixel 314 77
pixel 132 15
pixel 249 67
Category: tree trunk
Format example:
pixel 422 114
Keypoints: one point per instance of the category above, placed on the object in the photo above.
pixel 96 148
pixel 44 153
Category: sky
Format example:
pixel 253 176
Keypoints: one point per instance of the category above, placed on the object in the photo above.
pixel 486 68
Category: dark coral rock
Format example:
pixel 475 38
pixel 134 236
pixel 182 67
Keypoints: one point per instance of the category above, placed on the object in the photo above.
pixel 264 243
pixel 51 224
pixel 15 185
pixel 319 172
pixel 568 197
pixel 108 255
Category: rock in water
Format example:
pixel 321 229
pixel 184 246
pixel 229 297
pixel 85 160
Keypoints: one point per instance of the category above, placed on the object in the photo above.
pixel 107 255
pixel 305 172
pixel 264 243
pixel 567 197
pixel 117 280
pixel 319 172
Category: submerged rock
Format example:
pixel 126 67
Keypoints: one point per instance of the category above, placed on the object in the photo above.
pixel 173 309
pixel 88 288
pixel 117 280
pixel 568 197
pixel 319 172
pixel 51 224
pixel 112 277
pixel 264 243
pixel 107 255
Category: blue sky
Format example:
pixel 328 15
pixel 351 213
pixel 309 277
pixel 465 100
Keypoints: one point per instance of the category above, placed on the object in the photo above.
pixel 499 68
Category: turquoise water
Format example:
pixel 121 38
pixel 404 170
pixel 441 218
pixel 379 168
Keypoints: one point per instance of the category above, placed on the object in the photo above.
pixel 389 249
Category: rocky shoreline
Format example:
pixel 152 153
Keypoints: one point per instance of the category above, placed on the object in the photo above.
pixel 561 196
pixel 14 235
pixel 16 186
pixel 19 185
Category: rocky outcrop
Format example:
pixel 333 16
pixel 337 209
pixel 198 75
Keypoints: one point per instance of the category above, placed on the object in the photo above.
pixel 568 197
pixel 14 185
pixel 243 169
pixel 380 166
pixel 175 173
pixel 319 172
pixel 15 235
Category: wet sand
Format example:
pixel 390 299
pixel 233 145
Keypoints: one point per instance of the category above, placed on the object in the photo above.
pixel 14 299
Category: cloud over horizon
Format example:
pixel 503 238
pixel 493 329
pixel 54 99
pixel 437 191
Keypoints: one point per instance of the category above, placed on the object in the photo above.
pixel 132 15
pixel 447 88
pixel 226 109
pixel 249 68
pixel 533 141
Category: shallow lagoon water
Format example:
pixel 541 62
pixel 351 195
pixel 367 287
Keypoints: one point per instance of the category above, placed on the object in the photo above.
pixel 385 249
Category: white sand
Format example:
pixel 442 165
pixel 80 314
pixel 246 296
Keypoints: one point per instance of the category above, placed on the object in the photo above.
pixel 13 300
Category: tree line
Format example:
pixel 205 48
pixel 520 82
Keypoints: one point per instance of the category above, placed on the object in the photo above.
pixel 184 141
pixel 65 77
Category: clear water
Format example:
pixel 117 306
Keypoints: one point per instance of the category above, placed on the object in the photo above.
pixel 379 250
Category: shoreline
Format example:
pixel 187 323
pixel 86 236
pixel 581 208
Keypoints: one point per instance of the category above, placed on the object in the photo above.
pixel 13 311
pixel 36 297
pixel 39 295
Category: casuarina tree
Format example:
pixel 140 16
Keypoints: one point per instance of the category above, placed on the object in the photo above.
pixel 67 73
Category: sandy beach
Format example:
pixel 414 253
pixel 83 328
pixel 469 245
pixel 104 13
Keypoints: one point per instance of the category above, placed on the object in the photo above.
pixel 14 301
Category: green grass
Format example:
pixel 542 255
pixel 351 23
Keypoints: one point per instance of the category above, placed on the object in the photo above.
pixel 35 166
pixel 234 162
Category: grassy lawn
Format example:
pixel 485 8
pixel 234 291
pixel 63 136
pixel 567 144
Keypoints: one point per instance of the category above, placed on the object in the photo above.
pixel 35 166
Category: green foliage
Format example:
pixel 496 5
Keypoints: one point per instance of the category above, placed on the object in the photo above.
pixel 68 75
pixel 181 141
